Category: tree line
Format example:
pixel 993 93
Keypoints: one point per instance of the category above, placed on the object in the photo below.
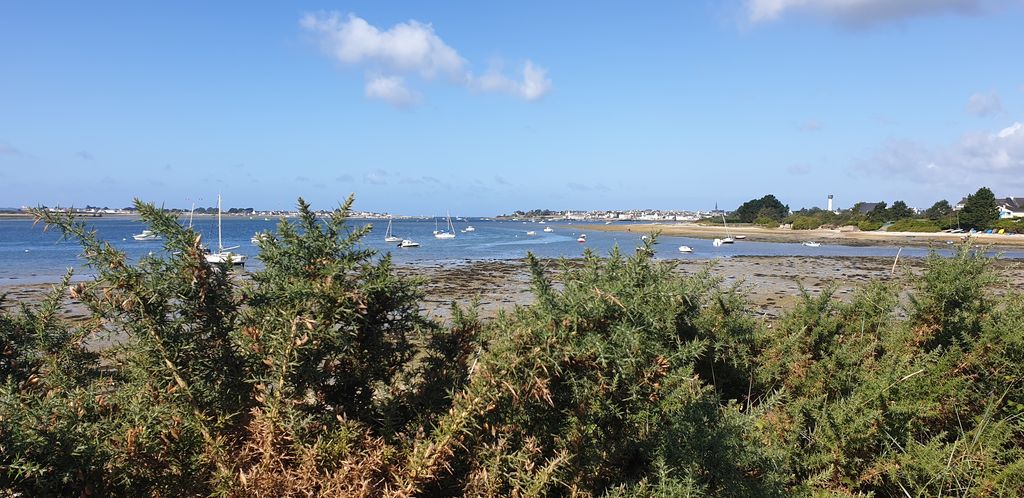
pixel 979 212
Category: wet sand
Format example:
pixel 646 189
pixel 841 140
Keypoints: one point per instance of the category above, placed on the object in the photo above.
pixel 836 237
pixel 770 283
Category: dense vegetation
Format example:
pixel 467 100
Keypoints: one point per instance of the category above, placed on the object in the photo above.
pixel 765 210
pixel 980 212
pixel 319 377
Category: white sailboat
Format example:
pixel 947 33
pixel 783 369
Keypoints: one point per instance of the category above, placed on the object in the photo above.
pixel 390 237
pixel 446 234
pixel 728 237
pixel 223 254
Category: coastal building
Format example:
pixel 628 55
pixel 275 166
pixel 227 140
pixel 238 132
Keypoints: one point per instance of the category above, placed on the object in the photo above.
pixel 1009 207
pixel 866 207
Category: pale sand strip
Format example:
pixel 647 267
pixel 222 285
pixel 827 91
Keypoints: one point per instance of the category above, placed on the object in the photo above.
pixel 856 238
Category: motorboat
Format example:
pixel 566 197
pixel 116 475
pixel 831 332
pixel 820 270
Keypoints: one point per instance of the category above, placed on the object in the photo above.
pixel 408 243
pixel 740 237
pixel 549 229
pixel 812 244
pixel 582 238
pixel 531 233
pixel 686 249
pixel 470 228
pixel 389 236
pixel 146 235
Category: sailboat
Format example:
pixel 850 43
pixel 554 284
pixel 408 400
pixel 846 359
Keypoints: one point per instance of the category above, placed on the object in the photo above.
pixel 223 254
pixel 446 234
pixel 728 237
pixel 390 237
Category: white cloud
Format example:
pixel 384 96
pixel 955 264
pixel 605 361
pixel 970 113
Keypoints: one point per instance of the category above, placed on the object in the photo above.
pixel 407 47
pixel 862 12
pixel 392 90
pixel 978 158
pixel 983 104
pixel 410 49
pixel 534 85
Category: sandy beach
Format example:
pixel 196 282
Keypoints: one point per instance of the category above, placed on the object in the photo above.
pixel 850 238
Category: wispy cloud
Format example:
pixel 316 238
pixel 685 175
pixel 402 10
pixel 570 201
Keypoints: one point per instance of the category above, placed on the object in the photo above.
pixel 376 177
pixel 798 169
pixel 391 89
pixel 8 150
pixel 344 178
pixel 500 180
pixel 860 13
pixel 978 158
pixel 984 104
pixel 583 187
pixel 84 155
pixel 409 50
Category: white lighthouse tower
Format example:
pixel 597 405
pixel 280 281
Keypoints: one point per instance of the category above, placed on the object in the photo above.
pixel 829 202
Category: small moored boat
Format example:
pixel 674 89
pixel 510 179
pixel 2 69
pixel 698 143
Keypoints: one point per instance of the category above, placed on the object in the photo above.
pixel 146 235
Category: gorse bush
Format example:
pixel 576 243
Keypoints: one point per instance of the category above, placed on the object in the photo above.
pixel 318 376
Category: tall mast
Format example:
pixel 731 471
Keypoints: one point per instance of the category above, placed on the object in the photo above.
pixel 220 243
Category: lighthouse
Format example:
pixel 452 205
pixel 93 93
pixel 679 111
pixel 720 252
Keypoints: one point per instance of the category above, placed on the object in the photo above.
pixel 829 202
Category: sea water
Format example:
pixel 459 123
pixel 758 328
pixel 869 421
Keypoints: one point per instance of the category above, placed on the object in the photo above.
pixel 28 254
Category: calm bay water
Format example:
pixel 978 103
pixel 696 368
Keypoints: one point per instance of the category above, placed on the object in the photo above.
pixel 29 255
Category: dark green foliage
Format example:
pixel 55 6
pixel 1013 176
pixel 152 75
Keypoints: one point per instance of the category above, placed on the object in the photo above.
pixel 879 214
pixel 899 210
pixel 766 207
pixel 980 211
pixel 939 211
pixel 318 377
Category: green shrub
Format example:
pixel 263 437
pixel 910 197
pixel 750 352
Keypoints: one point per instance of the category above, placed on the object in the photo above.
pixel 914 225
pixel 1009 226
pixel 801 222
pixel 869 226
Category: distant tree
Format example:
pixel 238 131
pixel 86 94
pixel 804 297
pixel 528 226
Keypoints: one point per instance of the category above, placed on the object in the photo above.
pixel 879 214
pixel 939 210
pixel 766 207
pixel 980 211
pixel 900 210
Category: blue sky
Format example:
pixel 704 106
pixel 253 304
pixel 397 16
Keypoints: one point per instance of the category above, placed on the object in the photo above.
pixel 486 107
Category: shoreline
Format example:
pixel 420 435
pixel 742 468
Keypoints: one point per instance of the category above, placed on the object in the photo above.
pixel 837 237
pixel 771 284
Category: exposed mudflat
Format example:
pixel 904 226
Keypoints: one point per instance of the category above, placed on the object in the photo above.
pixel 771 283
